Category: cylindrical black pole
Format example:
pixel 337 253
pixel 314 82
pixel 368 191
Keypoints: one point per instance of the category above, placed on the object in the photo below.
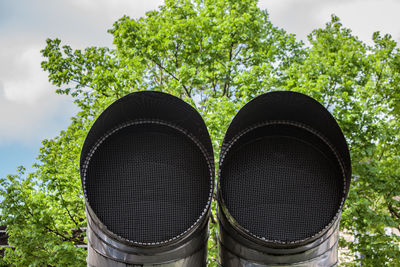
pixel 284 176
pixel 147 172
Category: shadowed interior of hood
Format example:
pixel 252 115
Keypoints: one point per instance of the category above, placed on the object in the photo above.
pixel 148 182
pixel 281 182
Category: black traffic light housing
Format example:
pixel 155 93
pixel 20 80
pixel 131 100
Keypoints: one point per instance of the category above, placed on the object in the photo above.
pixel 284 176
pixel 147 171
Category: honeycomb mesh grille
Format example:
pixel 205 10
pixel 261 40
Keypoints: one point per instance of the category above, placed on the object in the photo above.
pixel 148 183
pixel 281 183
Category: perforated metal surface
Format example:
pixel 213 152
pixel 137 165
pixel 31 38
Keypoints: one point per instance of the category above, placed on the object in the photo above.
pixel 281 183
pixel 148 183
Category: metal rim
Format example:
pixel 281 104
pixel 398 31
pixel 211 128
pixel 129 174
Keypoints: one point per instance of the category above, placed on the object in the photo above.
pixel 93 149
pixel 248 233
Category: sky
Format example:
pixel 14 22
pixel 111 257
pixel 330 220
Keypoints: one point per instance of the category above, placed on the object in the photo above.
pixel 31 111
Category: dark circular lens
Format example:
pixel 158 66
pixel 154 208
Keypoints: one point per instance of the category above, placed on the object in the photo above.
pixel 148 182
pixel 281 182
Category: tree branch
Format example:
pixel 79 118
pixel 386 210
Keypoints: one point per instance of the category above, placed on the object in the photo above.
pixel 172 75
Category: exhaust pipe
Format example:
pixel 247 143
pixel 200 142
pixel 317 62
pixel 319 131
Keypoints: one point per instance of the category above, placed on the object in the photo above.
pixel 284 176
pixel 147 173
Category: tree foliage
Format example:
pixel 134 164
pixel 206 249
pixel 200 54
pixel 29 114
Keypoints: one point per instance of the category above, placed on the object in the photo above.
pixel 216 55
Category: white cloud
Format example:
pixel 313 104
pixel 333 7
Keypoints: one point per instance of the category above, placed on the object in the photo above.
pixel 112 10
pixel 362 17
pixel 30 110
pixel 80 23
pixel 366 17
pixel 23 80
pixel 30 122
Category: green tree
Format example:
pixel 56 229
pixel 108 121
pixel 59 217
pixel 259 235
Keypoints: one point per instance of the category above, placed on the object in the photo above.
pixel 216 55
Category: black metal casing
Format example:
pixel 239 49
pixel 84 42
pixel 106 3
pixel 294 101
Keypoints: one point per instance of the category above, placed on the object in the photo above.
pixel 147 171
pixel 284 176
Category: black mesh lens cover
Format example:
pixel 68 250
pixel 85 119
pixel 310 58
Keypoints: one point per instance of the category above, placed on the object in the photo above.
pixel 281 182
pixel 148 182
